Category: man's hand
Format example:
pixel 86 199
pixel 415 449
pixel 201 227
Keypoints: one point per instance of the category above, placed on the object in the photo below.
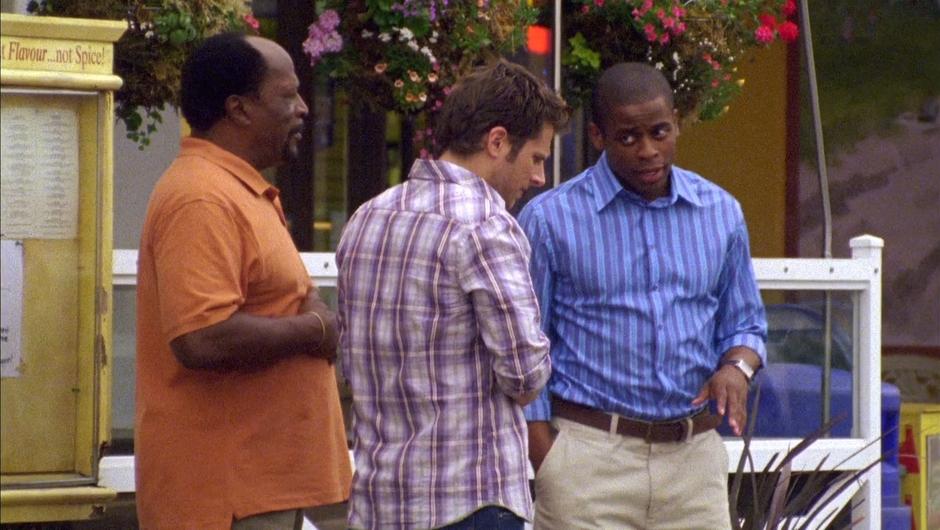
pixel 728 387
pixel 541 438
pixel 329 332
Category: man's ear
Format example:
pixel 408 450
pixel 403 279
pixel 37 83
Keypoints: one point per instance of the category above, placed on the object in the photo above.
pixel 496 141
pixel 597 136
pixel 236 110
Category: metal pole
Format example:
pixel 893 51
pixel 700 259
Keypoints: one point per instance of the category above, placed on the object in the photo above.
pixel 827 213
pixel 556 60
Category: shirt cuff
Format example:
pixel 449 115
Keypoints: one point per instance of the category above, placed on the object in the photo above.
pixel 540 409
pixel 748 340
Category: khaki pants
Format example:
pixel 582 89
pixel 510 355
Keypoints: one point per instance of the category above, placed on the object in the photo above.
pixel 283 520
pixel 593 479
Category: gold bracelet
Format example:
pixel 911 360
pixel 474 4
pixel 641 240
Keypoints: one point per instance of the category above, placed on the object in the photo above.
pixel 322 325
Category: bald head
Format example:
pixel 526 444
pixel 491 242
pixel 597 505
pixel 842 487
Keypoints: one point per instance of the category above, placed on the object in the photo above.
pixel 627 84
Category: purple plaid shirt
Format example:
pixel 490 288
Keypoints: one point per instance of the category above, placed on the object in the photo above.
pixel 439 327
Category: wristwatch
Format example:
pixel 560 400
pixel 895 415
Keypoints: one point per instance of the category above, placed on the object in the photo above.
pixel 742 365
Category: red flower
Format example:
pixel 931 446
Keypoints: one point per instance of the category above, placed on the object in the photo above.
pixel 766 19
pixel 789 8
pixel 252 21
pixel 788 31
pixel 764 35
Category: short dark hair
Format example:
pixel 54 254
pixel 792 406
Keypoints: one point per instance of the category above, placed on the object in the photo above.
pixel 499 94
pixel 628 84
pixel 223 65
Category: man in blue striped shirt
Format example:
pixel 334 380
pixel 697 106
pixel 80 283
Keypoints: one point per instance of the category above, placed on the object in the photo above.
pixel 648 296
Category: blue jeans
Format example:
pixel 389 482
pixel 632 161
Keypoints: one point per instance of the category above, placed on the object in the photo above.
pixel 489 518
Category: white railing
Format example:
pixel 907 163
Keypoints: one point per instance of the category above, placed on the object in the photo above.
pixel 860 274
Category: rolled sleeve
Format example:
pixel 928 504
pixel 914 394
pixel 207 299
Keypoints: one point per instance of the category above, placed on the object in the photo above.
pixel 495 260
pixel 741 317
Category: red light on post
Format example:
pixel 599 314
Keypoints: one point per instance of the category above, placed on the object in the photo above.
pixel 539 40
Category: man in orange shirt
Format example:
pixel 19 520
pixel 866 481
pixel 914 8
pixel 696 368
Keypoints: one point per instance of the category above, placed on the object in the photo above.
pixel 238 420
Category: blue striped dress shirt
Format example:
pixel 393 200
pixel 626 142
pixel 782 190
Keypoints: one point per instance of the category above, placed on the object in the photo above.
pixel 640 299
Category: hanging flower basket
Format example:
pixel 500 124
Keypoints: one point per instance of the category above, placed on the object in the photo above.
pixel 150 54
pixel 696 43
pixel 404 56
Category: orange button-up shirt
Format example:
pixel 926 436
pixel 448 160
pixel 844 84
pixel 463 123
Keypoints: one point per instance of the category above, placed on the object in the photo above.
pixel 211 446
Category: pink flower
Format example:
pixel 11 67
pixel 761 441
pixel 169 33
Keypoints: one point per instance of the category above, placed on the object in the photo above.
pixel 660 14
pixel 789 31
pixel 599 3
pixel 647 5
pixel 715 83
pixel 328 20
pixel 251 21
pixel 664 38
pixel 678 11
pixel 764 35
pixel 636 13
pixel 669 22
pixel 789 8
pixel 680 29
pixel 585 9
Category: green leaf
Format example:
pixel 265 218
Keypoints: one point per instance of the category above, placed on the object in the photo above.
pixel 582 54
pixel 133 121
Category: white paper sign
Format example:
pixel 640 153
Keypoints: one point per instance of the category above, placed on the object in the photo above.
pixel 39 173
pixel 11 307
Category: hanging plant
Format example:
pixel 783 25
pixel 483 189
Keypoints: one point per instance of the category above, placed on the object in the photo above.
pixel 696 43
pixel 404 56
pixel 150 54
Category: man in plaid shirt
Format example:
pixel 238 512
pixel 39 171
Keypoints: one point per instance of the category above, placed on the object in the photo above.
pixel 440 336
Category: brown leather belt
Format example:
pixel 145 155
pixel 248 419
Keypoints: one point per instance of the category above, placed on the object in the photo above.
pixel 652 432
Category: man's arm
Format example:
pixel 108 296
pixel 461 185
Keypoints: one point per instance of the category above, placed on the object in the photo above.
pixel 541 437
pixel 492 263
pixel 248 342
pixel 201 251
pixel 539 412
pixel 741 331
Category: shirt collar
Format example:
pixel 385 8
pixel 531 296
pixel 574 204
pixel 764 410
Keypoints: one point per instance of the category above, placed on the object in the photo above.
pixel 238 167
pixel 443 171
pixel 607 187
